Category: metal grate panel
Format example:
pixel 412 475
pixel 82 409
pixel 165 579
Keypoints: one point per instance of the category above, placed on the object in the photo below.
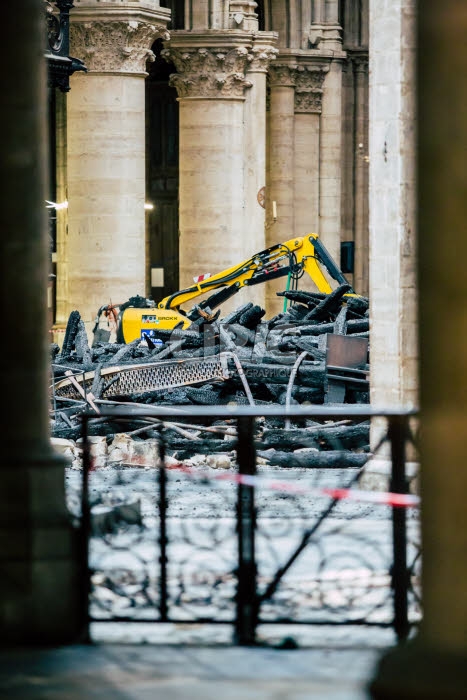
pixel 137 379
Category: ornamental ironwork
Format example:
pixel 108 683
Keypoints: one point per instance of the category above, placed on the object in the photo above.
pixel 59 64
pixel 199 540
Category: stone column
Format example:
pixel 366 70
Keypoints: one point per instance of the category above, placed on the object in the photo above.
pixel 434 664
pixel 308 103
pixel 39 601
pixel 325 36
pixel 393 293
pixel 392 235
pixel 331 160
pixel 211 84
pixel 255 147
pixel 362 253
pixel 280 185
pixel 325 32
pixel 62 213
pixel 317 14
pixel 106 152
pixel 331 29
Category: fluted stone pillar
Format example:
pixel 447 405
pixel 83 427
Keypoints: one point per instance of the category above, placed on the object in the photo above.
pixel 105 258
pixel 211 84
pixel 255 145
pixel 280 185
pixel 39 600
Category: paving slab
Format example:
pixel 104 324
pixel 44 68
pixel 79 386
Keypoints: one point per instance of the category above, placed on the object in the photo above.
pixel 154 672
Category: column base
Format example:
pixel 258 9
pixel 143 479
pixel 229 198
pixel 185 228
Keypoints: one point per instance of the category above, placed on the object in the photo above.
pixel 42 581
pixel 416 672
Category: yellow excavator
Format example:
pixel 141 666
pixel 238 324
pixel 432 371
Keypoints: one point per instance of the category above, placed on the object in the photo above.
pixel 306 254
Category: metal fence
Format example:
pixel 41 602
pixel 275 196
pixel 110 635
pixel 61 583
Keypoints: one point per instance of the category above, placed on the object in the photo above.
pixel 169 539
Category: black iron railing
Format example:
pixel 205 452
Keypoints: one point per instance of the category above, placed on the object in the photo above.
pixel 200 544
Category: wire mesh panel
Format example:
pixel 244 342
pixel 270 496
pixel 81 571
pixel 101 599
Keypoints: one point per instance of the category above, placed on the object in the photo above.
pixel 137 379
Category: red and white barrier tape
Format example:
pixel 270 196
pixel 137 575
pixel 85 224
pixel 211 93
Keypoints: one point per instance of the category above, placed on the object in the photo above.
pixel 387 498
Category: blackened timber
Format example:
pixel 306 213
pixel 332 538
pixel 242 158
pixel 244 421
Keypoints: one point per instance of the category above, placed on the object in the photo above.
pixel 307 374
pixel 305 344
pixel 358 304
pixel 250 318
pixel 297 311
pixel 174 441
pixel 311 299
pixel 335 459
pixel 303 393
pixel 234 316
pixel 353 326
pixel 330 305
pixel 334 437
pixel 279 358
pixel 239 334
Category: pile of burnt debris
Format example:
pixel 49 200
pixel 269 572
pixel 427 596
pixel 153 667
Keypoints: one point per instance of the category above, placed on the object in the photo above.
pixel 315 352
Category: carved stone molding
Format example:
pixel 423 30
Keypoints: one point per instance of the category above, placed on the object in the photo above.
pixel 242 15
pixel 315 36
pixel 209 72
pixel 115 46
pixel 309 88
pixel 281 75
pixel 260 58
pixel 359 62
pixel 326 37
pixel 122 6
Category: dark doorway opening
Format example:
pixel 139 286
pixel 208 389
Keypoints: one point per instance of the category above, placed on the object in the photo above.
pixel 162 125
pixel 260 13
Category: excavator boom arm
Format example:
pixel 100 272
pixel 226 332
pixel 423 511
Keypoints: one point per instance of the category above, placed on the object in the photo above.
pixel 301 254
pixel 305 252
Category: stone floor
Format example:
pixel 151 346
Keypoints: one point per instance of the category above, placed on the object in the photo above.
pixel 164 672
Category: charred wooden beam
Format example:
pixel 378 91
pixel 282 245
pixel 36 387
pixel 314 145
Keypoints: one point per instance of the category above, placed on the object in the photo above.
pixel 339 459
pixel 307 374
pixel 325 436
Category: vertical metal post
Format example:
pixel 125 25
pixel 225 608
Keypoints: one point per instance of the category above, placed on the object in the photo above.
pixel 163 606
pixel 247 599
pixel 85 533
pixel 397 435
